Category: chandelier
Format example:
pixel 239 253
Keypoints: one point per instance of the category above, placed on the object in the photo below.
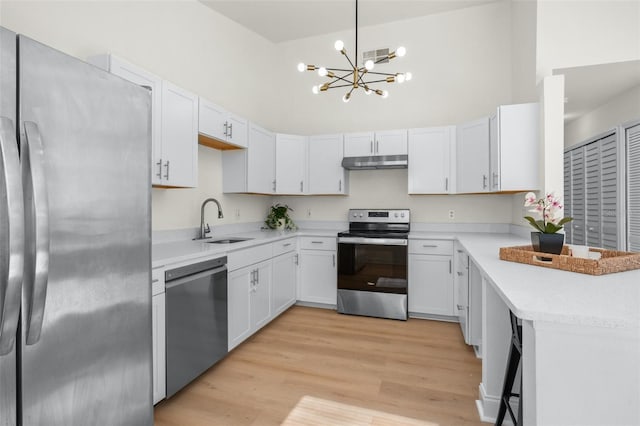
pixel 356 77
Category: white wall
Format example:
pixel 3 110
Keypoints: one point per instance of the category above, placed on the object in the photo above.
pixel 523 51
pixel 574 33
pixel 181 41
pixel 621 109
pixel 460 61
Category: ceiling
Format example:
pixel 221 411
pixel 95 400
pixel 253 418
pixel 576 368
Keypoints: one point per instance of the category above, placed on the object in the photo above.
pixel 588 87
pixel 284 20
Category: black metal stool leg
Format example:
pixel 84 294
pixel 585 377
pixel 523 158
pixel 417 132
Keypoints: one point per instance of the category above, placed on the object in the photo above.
pixel 513 362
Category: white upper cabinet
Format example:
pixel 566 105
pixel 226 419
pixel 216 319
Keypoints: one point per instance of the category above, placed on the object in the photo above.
pixel 174 156
pixel 253 169
pixel 291 164
pixel 514 149
pixel 217 123
pixel 326 174
pixel 390 142
pixel 472 163
pixel 431 154
pixel 179 137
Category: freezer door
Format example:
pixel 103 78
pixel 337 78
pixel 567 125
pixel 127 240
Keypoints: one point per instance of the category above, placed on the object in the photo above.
pixel 7 112
pixel 86 323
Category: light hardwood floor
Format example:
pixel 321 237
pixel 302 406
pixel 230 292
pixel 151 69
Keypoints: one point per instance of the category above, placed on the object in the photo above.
pixel 418 369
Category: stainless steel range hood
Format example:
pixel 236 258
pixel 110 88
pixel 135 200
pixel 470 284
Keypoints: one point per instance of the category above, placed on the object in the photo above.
pixel 375 162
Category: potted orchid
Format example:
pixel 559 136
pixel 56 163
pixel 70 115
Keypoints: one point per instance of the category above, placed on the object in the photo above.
pixel 546 238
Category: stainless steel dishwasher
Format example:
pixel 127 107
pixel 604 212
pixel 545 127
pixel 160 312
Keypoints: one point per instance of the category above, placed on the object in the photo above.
pixel 196 320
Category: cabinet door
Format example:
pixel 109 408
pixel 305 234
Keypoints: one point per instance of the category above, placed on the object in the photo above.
pixel 240 286
pixel 261 296
pixel 494 152
pixel 212 120
pixel 179 136
pixel 358 144
pixel 326 174
pixel 141 77
pixel 159 347
pixel 430 160
pixel 632 146
pixel 291 164
pixel 283 286
pixel 318 277
pixel 475 305
pixel 461 292
pixel 609 223
pixel 261 161
pixel 237 130
pixel 472 143
pixel 392 142
pixel 431 284
pixel 593 191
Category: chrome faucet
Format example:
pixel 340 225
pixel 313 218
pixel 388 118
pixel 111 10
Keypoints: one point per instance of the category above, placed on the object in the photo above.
pixel 205 230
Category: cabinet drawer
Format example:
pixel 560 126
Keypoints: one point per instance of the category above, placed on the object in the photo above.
pixel 157 280
pixel 441 247
pixel 318 243
pixel 249 256
pixel 284 246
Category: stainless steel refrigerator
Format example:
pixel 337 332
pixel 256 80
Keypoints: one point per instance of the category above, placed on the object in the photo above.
pixel 75 235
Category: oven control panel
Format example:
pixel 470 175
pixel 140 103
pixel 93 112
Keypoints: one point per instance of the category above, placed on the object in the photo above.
pixel 380 216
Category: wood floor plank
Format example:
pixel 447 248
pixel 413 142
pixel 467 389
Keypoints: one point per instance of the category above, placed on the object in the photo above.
pixel 416 369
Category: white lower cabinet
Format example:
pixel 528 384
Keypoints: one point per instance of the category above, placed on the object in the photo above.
pixel 431 277
pixel 285 270
pixel 318 275
pixel 249 301
pixel 158 342
pixel 475 305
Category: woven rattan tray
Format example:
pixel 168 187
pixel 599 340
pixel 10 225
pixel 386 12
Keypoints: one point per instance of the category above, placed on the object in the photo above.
pixel 610 262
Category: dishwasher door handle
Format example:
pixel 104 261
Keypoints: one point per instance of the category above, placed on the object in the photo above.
pixel 190 278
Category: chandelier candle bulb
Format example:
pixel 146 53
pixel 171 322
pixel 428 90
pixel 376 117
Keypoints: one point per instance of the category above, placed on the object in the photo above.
pixel 401 51
pixel 322 72
pixel 369 65
pixel 301 67
pixel 339 45
pixel 400 78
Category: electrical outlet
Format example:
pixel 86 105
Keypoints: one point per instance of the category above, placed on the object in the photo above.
pixel 452 214
pixel 308 212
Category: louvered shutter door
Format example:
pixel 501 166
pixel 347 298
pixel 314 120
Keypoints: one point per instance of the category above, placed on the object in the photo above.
pixel 567 195
pixel 577 196
pixel 633 188
pixel 592 178
pixel 609 192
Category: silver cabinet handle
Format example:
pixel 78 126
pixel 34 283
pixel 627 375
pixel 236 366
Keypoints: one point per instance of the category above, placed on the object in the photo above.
pixel 340 185
pixel 166 176
pixel 252 280
pixel 37 226
pixel 13 228
pixel 372 147
pixel 460 251
pixel 257 276
pixel 274 185
pixel 495 180
pixel 484 181
pixel 377 147
pixel 460 273
pixel 446 184
pixel 231 131
pixel 429 245
pixel 297 257
pixel 333 256
pixel 226 128
pixel 301 186
pixel 286 245
pixel 159 164
pixel 317 242
pixel 460 307
pixel 154 281
pixel 450 270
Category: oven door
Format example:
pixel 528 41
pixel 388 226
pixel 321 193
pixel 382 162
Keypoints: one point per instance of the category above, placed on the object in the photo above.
pixel 372 264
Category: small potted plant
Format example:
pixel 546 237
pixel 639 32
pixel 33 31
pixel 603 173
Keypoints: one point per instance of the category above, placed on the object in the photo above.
pixel 545 238
pixel 278 217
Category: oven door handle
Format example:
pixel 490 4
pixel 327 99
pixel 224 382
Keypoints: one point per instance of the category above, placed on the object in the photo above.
pixel 373 241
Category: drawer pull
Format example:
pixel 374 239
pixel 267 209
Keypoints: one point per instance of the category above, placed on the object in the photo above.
pixel 460 274
pixel 317 242
pixel 429 246
pixel 155 280
pixel 460 307
pixel 460 251
pixel 286 245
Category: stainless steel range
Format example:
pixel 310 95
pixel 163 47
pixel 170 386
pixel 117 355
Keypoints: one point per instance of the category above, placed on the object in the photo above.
pixel 372 264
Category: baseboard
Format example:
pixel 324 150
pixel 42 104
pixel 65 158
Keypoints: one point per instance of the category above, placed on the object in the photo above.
pixel 316 305
pixel 445 318
pixel 488 407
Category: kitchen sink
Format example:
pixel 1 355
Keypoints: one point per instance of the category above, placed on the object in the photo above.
pixel 229 240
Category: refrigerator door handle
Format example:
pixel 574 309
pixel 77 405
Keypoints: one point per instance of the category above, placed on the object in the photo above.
pixel 37 228
pixel 12 225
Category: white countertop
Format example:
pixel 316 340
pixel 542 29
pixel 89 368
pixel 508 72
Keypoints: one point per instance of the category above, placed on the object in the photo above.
pixel 180 251
pixel 543 294
pixel 531 292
